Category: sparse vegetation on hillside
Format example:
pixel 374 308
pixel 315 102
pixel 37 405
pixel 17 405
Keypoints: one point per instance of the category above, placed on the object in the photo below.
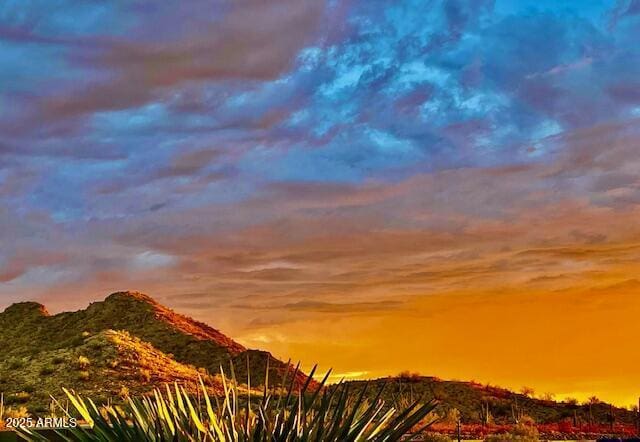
pixel 100 366
pixel 483 404
pixel 28 332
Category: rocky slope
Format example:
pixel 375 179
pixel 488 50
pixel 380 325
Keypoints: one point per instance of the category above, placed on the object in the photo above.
pixel 128 342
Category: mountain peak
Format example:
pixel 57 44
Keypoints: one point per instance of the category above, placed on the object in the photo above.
pixel 180 338
pixel 26 309
pixel 147 310
pixel 129 295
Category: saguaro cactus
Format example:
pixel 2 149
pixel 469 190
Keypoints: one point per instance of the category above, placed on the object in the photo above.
pixel 516 412
pixel 612 417
pixel 485 413
pixel 638 418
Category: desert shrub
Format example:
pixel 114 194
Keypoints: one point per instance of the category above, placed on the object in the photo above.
pixel 547 397
pixel 40 409
pixel 527 391
pixel 592 400
pixel 16 413
pixel 145 375
pixel 83 362
pixel 74 341
pixel 435 437
pixel 408 376
pixel 565 426
pixel 19 398
pixel 83 375
pixel 520 433
pixel 15 364
pixel 571 401
pixel 47 370
pixel 450 416
pixel 96 345
pixel 124 392
pixel 527 420
pixel 528 431
pixel 29 388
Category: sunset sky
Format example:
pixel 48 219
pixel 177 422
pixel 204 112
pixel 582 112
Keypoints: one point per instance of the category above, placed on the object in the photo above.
pixel 451 188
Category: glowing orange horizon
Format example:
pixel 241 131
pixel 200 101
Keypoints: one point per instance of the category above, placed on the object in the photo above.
pixel 509 340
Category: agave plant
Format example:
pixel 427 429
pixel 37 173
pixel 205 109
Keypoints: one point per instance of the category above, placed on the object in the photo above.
pixel 313 413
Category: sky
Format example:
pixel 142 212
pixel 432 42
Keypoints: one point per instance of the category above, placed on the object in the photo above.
pixel 451 188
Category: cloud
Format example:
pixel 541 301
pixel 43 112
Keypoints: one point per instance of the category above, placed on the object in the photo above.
pixel 246 40
pixel 314 242
pixel 199 167
pixel 328 307
pixel 22 261
pixel 316 151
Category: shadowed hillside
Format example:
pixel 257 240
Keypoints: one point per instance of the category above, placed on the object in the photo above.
pixel 485 404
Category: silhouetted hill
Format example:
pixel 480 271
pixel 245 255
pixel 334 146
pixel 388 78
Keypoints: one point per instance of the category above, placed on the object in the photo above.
pixel 472 399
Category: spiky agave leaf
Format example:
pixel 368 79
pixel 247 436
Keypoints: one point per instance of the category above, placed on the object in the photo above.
pixel 326 414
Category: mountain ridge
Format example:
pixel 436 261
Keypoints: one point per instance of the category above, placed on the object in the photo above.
pixel 27 329
pixel 181 322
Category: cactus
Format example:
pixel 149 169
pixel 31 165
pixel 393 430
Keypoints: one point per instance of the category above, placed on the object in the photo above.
pixel 638 422
pixel 612 417
pixel 516 412
pixel 485 413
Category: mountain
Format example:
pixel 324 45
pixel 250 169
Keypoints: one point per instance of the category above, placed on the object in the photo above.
pixel 128 342
pixel 472 400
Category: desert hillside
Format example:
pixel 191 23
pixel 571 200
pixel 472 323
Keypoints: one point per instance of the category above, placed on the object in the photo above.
pixel 126 343
pixel 486 404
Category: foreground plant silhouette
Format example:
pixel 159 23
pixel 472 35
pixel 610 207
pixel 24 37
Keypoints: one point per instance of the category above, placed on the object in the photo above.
pixel 313 413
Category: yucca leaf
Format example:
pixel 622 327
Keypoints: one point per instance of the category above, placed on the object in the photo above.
pixel 80 406
pixel 213 419
pixel 194 415
pixel 326 414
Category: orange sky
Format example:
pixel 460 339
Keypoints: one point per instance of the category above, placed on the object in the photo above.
pixel 573 344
